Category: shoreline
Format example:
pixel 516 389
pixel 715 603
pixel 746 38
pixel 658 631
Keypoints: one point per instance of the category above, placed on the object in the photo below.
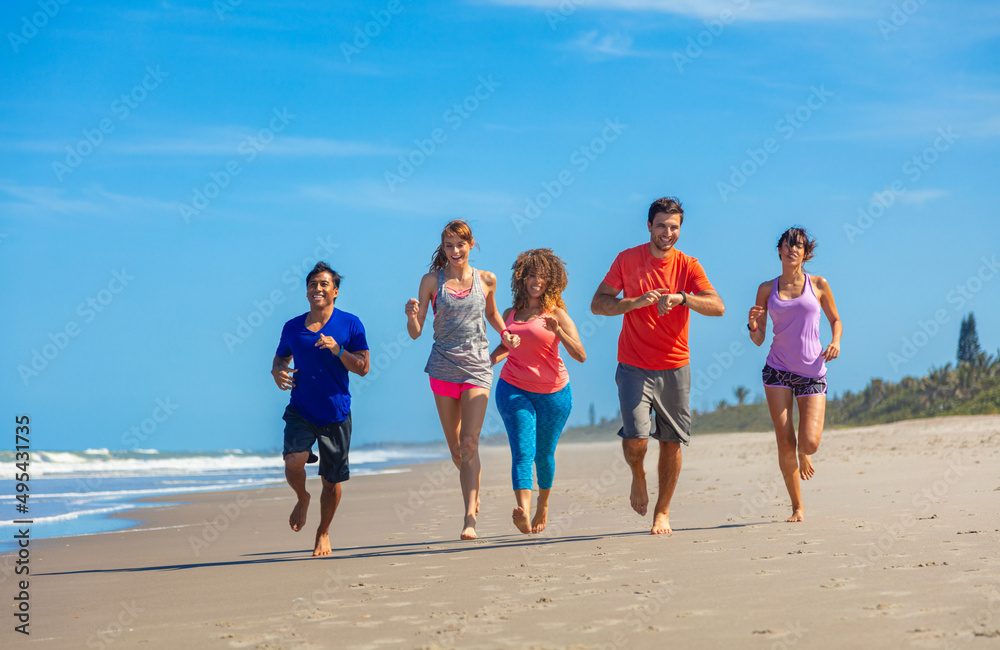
pixel 898 549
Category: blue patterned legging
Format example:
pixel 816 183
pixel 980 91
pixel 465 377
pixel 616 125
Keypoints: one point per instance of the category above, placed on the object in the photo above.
pixel 534 422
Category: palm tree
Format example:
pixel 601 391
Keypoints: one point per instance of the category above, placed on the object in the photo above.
pixel 741 393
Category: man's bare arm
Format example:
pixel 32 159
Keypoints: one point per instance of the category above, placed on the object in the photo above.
pixel 607 303
pixel 706 303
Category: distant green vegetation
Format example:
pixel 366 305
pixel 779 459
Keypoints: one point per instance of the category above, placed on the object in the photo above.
pixel 971 388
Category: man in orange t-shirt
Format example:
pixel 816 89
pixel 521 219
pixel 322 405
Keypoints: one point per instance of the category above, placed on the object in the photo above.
pixel 661 287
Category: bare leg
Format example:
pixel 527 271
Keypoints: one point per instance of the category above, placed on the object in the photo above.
pixel 473 403
pixel 541 512
pixel 329 499
pixel 295 474
pixel 635 452
pixel 523 510
pixel 779 403
pixel 450 413
pixel 812 410
pixel 669 467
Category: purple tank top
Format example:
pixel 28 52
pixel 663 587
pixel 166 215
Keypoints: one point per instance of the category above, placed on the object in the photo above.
pixel 795 323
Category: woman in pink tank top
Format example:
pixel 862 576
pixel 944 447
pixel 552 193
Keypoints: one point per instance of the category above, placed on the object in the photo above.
pixel 796 364
pixel 533 394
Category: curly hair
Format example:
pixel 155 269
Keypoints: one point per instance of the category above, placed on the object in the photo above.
pixel 545 265
pixel 798 235
pixel 458 228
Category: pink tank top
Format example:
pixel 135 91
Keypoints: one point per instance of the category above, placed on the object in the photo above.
pixel 534 365
pixel 795 346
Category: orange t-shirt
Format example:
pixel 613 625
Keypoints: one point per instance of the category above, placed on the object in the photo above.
pixel 649 340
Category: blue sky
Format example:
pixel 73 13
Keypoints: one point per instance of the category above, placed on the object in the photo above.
pixel 172 169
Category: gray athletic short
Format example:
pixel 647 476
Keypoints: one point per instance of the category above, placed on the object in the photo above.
pixel 334 443
pixel 665 393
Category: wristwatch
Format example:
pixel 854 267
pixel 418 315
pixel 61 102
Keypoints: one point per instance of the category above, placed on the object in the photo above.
pixel 684 298
pixel 342 349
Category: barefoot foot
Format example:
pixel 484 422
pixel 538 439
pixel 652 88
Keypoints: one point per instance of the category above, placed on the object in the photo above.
pixel 520 519
pixel 639 498
pixel 661 525
pixel 539 520
pixel 298 517
pixel 469 532
pixel 806 469
pixel 322 545
pixel 797 514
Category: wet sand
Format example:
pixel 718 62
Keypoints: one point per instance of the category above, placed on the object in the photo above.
pixel 899 549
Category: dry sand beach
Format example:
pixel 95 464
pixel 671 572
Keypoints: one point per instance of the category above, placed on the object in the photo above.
pixel 899 549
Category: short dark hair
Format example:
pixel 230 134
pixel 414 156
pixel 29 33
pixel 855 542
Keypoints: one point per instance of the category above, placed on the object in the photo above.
pixel 798 235
pixel 323 267
pixel 668 204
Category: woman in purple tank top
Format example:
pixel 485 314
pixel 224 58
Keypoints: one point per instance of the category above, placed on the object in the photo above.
pixel 796 364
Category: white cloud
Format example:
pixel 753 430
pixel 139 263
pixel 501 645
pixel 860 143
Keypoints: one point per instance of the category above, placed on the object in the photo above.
pixel 758 10
pixel 919 197
pixel 414 200
pixel 34 201
pixel 608 45
pixel 222 142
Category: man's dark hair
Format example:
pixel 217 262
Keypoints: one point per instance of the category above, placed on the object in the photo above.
pixel 668 204
pixel 323 267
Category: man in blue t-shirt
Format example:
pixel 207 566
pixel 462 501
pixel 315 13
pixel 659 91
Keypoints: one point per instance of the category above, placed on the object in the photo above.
pixel 326 344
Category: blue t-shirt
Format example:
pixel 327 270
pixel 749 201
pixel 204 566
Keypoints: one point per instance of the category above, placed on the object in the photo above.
pixel 320 394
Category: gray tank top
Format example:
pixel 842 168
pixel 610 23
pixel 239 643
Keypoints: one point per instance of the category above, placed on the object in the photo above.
pixel 461 352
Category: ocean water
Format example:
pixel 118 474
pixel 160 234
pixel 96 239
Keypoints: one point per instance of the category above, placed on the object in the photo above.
pixel 76 492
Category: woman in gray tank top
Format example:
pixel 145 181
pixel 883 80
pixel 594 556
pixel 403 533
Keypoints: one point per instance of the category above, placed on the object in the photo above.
pixel 463 300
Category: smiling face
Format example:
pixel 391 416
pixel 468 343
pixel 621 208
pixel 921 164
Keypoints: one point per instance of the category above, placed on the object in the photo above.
pixel 456 250
pixel 791 253
pixel 664 231
pixel 535 286
pixel 320 291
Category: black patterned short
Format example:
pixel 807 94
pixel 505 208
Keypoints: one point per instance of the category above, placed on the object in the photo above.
pixel 798 384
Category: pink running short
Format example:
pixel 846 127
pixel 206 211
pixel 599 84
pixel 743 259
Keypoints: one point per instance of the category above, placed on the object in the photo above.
pixel 449 389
